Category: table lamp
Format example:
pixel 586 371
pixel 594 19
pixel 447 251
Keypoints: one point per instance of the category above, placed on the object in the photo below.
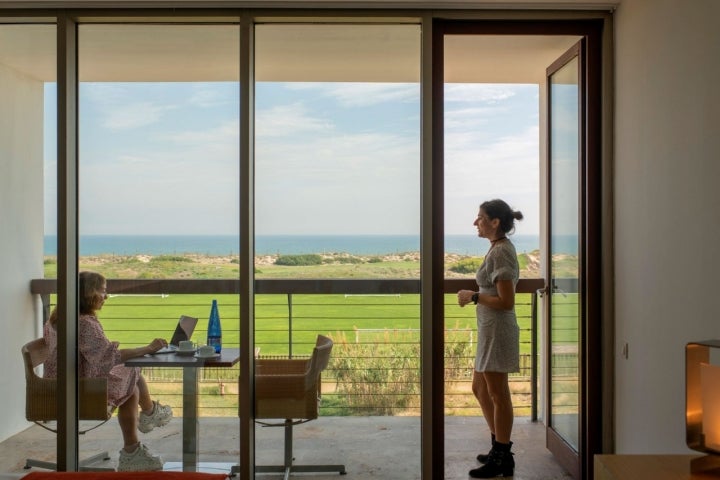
pixel 702 405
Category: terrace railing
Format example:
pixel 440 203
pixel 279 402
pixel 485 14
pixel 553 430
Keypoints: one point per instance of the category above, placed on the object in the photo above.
pixel 375 368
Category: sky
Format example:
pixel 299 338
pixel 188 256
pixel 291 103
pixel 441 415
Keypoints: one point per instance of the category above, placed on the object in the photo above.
pixel 330 158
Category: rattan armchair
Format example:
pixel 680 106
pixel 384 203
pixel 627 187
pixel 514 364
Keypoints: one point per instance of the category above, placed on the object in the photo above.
pixel 290 390
pixel 41 402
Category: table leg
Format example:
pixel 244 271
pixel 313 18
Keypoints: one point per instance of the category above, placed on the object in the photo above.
pixel 190 435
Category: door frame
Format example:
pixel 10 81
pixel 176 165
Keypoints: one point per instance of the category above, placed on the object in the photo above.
pixel 595 402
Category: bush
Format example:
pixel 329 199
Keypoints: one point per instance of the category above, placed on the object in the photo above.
pixel 345 259
pixel 299 260
pixel 467 265
pixel 171 258
pixel 376 379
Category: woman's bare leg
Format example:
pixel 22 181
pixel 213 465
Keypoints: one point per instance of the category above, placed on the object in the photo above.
pixel 499 392
pixel 128 418
pixel 144 401
pixel 480 389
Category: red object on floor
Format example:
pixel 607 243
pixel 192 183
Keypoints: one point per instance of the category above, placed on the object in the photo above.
pixel 124 475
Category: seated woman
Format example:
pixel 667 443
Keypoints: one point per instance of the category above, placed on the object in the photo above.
pixel 127 389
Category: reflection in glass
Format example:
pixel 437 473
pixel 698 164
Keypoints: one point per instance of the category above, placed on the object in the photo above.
pixel 564 249
pixel 337 175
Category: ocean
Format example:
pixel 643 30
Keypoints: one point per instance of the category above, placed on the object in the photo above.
pixel 283 244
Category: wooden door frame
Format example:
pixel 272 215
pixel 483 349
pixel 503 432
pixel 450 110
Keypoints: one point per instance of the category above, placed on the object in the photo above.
pixel 593 401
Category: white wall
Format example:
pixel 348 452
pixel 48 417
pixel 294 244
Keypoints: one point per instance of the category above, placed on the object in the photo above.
pixel 667 184
pixel 21 233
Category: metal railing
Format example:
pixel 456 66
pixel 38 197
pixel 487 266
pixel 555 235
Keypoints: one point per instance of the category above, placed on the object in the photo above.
pixel 376 363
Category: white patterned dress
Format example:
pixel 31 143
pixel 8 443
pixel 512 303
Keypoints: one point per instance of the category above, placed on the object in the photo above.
pixel 498 346
pixel 98 358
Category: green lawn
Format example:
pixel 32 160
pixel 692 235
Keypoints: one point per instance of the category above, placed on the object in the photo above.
pixel 376 358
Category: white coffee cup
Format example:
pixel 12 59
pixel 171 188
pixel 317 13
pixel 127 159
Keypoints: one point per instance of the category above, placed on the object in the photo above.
pixel 206 351
pixel 186 345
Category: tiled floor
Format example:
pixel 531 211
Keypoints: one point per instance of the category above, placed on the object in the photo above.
pixel 371 448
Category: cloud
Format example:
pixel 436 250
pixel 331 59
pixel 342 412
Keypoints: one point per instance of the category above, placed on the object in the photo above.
pixel 348 182
pixel 469 117
pixel 207 97
pixel 364 94
pixel 485 93
pixel 110 103
pixel 134 115
pixel 506 167
pixel 177 188
pixel 287 120
pixel 228 131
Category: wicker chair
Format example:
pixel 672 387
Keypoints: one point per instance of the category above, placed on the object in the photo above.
pixel 41 402
pixel 290 390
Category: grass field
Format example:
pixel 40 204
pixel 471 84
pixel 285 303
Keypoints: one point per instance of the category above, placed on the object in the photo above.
pixel 377 337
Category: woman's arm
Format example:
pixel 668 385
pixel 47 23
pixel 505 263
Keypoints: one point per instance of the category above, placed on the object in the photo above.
pixel 152 347
pixel 505 298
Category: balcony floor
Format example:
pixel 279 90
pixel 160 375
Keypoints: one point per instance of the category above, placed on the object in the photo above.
pixel 370 447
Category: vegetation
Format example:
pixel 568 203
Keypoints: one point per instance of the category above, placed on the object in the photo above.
pixel 304 260
pixel 466 265
pixel 375 367
pixel 334 265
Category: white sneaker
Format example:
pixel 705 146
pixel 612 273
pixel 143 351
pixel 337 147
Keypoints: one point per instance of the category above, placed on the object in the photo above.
pixel 160 416
pixel 141 460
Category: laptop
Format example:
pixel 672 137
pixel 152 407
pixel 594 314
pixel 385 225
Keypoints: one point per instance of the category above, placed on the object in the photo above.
pixel 183 331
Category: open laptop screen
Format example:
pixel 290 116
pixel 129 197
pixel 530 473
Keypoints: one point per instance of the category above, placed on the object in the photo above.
pixel 183 331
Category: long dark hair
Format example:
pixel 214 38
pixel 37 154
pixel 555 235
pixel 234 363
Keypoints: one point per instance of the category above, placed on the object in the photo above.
pixel 90 286
pixel 497 208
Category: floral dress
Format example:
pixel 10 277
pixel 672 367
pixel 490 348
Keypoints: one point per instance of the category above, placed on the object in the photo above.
pixel 98 358
pixel 498 347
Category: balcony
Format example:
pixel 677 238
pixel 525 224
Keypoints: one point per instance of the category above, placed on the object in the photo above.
pixel 371 447
pixel 371 388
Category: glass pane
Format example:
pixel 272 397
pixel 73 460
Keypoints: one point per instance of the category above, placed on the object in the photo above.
pixel 159 196
pixel 337 177
pixel 28 199
pixel 564 248
pixel 492 151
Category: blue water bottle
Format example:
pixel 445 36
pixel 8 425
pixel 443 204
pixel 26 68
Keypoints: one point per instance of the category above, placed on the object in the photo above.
pixel 214 331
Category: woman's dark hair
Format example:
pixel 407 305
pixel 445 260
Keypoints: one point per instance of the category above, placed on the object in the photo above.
pixel 90 286
pixel 497 208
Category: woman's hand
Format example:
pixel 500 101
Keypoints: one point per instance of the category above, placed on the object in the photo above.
pixel 157 344
pixel 465 297
pixel 152 347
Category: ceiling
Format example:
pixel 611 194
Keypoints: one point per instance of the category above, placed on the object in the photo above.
pixel 283 52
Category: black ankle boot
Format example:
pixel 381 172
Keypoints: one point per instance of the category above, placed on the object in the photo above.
pixel 484 457
pixel 500 463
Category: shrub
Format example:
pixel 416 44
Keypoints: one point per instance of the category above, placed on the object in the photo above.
pixel 467 265
pixel 299 260
pixel 345 259
pixel 376 379
pixel 171 258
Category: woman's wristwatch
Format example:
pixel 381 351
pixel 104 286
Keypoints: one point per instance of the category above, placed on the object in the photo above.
pixel 474 297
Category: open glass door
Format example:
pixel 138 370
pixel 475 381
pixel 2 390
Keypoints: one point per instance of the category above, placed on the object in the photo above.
pixel 564 301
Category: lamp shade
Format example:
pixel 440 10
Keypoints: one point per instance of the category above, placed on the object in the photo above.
pixel 702 403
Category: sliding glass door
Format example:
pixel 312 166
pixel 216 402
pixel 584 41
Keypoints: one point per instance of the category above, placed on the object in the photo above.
pixel 158 199
pixel 337 223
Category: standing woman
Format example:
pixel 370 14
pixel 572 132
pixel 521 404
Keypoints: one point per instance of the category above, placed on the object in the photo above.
pixel 498 347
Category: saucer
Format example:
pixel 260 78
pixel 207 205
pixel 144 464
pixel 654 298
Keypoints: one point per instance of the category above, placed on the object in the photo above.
pixel 212 355
pixel 185 352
